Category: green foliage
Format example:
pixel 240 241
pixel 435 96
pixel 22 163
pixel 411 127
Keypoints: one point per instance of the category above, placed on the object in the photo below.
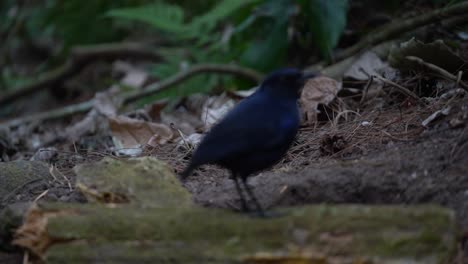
pixel 327 20
pixel 196 40
pixel 269 39
pixel 253 33
pixel 164 17
pixel 73 22
pixel 169 18
pixel 68 21
pixel 76 22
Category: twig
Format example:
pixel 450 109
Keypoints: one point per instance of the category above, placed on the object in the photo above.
pixel 183 75
pixel 438 70
pixel 10 194
pixel 181 135
pixel 52 114
pixel 66 179
pixel 392 136
pixel 459 77
pixel 401 26
pixel 400 88
pixel 26 257
pixel 149 90
pixel 44 193
pixel 366 89
pixel 51 172
pixel 79 58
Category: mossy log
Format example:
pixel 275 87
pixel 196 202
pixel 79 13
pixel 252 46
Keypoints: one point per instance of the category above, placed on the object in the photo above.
pixel 123 234
pixel 144 182
pixel 138 224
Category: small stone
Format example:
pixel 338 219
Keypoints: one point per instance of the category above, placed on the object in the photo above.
pixel 51 197
pixel 365 123
pixel 64 198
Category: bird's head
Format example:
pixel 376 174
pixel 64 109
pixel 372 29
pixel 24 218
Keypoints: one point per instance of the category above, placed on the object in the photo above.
pixel 286 82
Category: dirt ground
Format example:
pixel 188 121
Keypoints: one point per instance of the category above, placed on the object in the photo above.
pixel 429 169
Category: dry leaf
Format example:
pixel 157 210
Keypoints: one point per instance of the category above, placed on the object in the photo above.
pixel 183 120
pixel 437 53
pixel 48 155
pixel 216 108
pixel 106 103
pixel 133 76
pixel 320 90
pixel 192 140
pixel 131 133
pixel 194 103
pixel 367 65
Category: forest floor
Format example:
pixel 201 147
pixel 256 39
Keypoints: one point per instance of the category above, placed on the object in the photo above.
pixel 383 156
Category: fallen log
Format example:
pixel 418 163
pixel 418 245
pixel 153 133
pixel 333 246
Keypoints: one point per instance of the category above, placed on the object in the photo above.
pixel 92 233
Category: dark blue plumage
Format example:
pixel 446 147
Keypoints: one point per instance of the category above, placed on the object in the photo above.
pixel 257 132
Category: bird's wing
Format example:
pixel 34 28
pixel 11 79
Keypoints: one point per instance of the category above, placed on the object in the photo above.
pixel 254 124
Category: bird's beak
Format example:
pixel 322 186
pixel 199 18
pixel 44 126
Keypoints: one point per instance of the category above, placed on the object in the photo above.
pixel 308 75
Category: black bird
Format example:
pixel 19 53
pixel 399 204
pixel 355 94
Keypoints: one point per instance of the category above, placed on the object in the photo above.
pixel 256 133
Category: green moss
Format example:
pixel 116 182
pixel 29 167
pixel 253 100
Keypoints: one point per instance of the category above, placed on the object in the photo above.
pixel 379 232
pixel 146 182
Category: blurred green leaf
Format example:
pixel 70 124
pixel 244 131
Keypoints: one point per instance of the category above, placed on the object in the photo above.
pixel 79 23
pixel 170 18
pixel 327 20
pixel 269 49
pixel 269 53
pixel 160 15
pixel 219 12
pixel 203 30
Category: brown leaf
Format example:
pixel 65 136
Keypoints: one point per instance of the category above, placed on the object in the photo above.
pixel 367 65
pixel 132 133
pixel 216 108
pixel 320 90
pixel 182 120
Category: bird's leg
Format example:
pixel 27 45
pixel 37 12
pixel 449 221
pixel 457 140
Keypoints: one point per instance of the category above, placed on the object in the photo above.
pixel 239 191
pixel 250 193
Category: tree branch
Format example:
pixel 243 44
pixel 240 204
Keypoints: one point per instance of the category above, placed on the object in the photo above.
pixel 438 70
pixel 400 88
pixel 197 69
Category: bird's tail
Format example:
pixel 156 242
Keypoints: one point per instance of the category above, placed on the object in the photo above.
pixel 187 172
